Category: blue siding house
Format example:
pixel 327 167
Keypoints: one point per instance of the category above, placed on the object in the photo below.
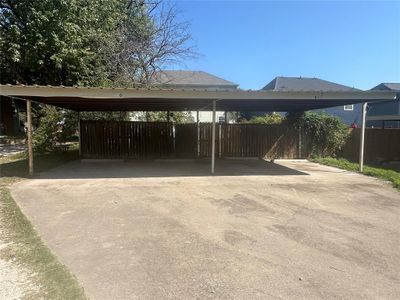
pixel 385 114
pixel 350 114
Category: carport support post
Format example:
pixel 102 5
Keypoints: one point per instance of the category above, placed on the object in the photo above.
pixel 29 131
pixel 362 137
pixel 79 133
pixel 214 104
pixel 198 133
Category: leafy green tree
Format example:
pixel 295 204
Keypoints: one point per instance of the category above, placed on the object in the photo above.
pixel 54 126
pixel 56 42
pixel 90 43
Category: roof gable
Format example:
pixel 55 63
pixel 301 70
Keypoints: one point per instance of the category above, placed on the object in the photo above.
pixel 305 84
pixel 180 78
pixel 393 86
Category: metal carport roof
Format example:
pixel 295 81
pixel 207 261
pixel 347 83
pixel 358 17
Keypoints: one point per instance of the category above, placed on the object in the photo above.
pixel 131 99
pixel 139 99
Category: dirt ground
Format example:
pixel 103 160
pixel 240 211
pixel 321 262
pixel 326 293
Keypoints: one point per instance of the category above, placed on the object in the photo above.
pixel 163 230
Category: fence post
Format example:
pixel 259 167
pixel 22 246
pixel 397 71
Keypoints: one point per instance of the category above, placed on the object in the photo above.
pixel 219 141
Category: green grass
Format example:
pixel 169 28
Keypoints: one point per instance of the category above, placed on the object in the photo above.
pixel 17 165
pixel 381 173
pixel 24 245
pixel 26 248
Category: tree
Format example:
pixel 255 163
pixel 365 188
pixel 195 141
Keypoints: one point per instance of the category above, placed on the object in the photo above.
pixel 151 38
pixel 119 43
pixel 55 42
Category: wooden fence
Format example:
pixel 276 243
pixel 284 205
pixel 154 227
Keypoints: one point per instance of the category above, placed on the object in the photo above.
pixel 161 139
pixel 126 139
pixel 380 145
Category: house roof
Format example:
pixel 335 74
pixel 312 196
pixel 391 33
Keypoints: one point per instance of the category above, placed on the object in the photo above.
pixel 139 99
pixel 387 86
pixel 305 84
pixel 180 78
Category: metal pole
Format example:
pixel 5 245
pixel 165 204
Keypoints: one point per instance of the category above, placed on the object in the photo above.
pixel 362 137
pixel 300 142
pixel 214 104
pixel 79 134
pixel 30 147
pixel 198 133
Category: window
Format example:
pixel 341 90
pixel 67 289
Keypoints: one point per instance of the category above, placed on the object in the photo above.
pixel 349 107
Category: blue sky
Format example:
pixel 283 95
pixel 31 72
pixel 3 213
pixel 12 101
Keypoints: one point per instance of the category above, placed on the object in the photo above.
pixel 250 42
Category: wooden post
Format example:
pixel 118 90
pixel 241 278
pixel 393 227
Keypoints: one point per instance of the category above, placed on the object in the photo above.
pixel 213 137
pixel 198 133
pixel 29 131
pixel 362 136
pixel 79 134
pixel 168 119
pixel 219 140
pixel 226 117
pixel 300 142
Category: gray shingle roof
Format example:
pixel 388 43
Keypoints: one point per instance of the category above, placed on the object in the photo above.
pixel 305 84
pixel 198 79
pixel 386 86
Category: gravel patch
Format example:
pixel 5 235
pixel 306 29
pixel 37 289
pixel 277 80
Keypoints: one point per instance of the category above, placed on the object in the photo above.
pixel 16 282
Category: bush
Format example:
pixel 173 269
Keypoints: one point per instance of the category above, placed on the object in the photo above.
pixel 54 126
pixel 267 119
pixel 327 134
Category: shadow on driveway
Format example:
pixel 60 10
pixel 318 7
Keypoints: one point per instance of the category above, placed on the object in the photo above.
pixel 165 168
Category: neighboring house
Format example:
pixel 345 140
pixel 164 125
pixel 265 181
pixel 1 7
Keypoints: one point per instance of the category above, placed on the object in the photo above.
pixel 350 114
pixel 385 114
pixel 180 79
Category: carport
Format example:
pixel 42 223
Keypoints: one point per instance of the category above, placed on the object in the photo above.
pixel 139 99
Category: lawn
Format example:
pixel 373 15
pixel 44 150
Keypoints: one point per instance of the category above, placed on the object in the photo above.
pixel 381 173
pixel 24 245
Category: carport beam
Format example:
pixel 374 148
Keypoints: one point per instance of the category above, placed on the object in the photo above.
pixel 29 131
pixel 362 137
pixel 214 105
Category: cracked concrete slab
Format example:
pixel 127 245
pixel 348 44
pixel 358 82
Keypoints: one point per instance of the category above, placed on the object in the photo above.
pixel 303 231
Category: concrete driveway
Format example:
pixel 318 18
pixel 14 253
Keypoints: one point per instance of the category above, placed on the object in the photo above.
pixel 259 230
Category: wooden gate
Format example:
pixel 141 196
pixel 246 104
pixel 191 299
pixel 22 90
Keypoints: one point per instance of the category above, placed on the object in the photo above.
pixel 186 140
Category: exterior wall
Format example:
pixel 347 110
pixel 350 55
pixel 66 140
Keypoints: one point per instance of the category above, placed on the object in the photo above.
pixel 347 116
pixel 206 116
pixel 386 108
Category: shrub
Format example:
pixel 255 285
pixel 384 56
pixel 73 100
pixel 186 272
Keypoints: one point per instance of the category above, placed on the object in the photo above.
pixel 273 118
pixel 54 126
pixel 327 134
